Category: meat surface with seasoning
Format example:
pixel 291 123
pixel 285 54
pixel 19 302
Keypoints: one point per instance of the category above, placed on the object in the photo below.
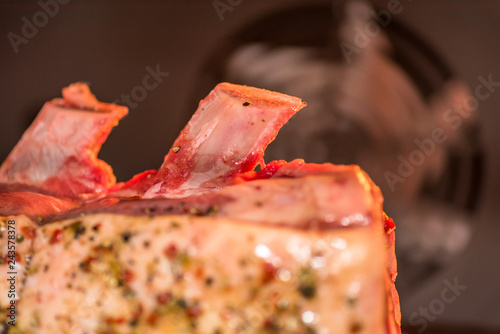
pixel 206 244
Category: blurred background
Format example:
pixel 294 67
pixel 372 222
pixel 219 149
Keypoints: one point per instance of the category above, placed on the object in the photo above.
pixel 410 90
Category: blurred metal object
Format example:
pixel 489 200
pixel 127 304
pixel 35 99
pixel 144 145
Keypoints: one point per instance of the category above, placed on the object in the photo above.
pixel 378 96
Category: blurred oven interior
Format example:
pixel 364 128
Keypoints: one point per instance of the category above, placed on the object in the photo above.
pixel 390 85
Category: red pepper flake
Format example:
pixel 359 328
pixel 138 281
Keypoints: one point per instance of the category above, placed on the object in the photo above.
pixel 7 258
pixel 128 276
pixel 96 227
pixel 151 320
pixel 118 321
pixel 389 225
pixel 199 272
pixel 56 236
pixel 268 272
pixel 194 311
pixel 28 232
pixel 164 298
pixel 171 251
pixel 270 324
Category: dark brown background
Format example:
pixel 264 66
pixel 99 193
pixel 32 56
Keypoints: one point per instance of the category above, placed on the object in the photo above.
pixel 110 43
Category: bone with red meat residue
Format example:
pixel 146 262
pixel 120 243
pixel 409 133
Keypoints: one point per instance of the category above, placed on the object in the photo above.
pixel 58 152
pixel 227 135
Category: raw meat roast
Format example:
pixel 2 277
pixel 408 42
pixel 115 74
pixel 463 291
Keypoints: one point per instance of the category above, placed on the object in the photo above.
pixel 206 244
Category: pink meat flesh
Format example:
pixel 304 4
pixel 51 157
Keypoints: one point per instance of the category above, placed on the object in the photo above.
pixel 58 152
pixel 333 198
pixel 207 182
pixel 227 135
pixel 32 202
